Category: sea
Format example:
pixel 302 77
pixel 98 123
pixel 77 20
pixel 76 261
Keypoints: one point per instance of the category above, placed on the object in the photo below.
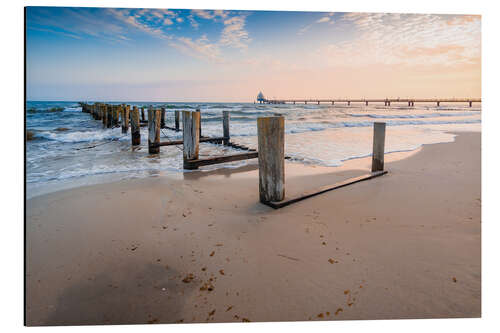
pixel 71 149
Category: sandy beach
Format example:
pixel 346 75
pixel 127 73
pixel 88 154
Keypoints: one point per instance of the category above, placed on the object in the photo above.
pixel 199 247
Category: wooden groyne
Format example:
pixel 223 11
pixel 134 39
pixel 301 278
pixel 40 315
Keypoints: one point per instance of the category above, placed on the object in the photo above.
pixel 386 101
pixel 270 154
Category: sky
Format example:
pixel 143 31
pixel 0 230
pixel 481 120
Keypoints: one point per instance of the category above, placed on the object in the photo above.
pixel 127 54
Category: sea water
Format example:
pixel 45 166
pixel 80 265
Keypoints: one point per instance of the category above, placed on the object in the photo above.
pixel 70 148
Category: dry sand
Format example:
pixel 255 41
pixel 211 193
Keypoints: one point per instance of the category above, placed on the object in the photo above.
pixel 200 247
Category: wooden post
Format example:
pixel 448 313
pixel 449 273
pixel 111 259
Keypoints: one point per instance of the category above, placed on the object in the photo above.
pixel 125 117
pixel 177 116
pixel 99 111
pixel 191 136
pixel 135 127
pixel 104 115
pixel 143 116
pixel 162 118
pixel 271 143
pixel 116 114
pixel 154 119
pixel 225 127
pixel 199 111
pixel 109 117
pixel 378 146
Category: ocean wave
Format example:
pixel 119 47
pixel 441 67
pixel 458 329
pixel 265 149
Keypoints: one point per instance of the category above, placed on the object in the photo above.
pixel 405 116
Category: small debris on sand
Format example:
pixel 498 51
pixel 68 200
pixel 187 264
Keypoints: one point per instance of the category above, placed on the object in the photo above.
pixel 221 272
pixel 332 261
pixel 188 278
pixel 339 310
pixel 211 313
pixel 245 320
pixel 454 279
pixel 320 315
pixel 229 308
pixel 212 254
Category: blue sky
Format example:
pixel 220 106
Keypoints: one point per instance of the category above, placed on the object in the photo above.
pixel 182 55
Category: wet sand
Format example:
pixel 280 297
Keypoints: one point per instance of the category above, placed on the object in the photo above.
pixel 200 248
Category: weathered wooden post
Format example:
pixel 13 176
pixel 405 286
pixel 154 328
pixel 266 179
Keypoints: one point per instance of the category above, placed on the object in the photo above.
pixel 109 117
pixel 191 137
pixel 116 114
pixel 99 111
pixel 125 117
pixel 199 112
pixel 271 143
pixel 143 117
pixel 177 116
pixel 225 127
pixel 162 118
pixel 154 119
pixel 378 146
pixel 104 115
pixel 135 129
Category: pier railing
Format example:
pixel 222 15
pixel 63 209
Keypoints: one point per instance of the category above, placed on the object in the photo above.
pixel 386 101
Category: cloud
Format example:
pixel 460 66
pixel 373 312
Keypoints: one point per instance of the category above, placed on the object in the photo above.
pixel 210 14
pixel 200 48
pixel 410 39
pixel 234 33
pixel 323 19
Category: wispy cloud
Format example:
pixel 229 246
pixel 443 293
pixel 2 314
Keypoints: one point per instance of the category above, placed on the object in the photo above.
pixel 199 48
pixel 234 33
pixel 407 39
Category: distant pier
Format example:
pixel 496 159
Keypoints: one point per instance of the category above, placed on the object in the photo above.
pixel 386 101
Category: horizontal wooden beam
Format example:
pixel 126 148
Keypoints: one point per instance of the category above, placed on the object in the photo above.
pixel 323 189
pixel 180 142
pixel 194 164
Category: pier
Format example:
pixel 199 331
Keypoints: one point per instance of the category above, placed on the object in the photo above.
pixel 367 101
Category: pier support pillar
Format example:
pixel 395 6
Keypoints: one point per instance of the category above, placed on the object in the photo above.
pixel 378 146
pixel 191 136
pixel 135 128
pixel 366 103
pixel 438 103
pixel 143 116
pixel 162 123
pixel 154 120
pixel 225 127
pixel 271 148
pixel 305 102
pixel 104 112
pixel 470 104
pixel 318 102
pixel 177 118
pixel 348 103
pixel 333 102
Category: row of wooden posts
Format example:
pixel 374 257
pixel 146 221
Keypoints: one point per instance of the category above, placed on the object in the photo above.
pixel 271 145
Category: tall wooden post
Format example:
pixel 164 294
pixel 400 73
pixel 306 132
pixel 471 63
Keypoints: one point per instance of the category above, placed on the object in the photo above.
pixel 271 143
pixel 109 117
pixel 162 118
pixel 177 116
pixel 125 117
pixel 199 112
pixel 104 115
pixel 143 117
pixel 116 114
pixel 135 128
pixel 225 127
pixel 378 146
pixel 191 136
pixel 154 119
pixel 99 111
